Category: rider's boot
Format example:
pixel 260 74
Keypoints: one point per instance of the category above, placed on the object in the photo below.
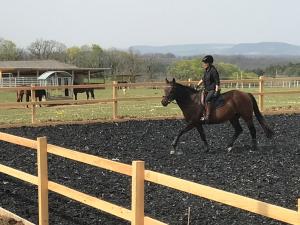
pixel 206 117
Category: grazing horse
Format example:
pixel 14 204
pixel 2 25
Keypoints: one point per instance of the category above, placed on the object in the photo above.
pixel 38 94
pixel 81 90
pixel 20 95
pixel 236 104
pixel 123 87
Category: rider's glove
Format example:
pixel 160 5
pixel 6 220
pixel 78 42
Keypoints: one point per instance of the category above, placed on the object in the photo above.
pixel 216 93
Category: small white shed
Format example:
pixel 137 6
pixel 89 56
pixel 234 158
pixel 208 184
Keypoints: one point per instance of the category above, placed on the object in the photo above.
pixel 57 78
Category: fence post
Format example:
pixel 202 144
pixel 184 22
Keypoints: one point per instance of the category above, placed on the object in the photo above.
pixel 137 204
pixel 115 102
pixel 261 93
pixel 42 180
pixel 33 108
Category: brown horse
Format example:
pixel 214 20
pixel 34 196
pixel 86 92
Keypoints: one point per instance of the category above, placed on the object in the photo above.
pixel 236 104
pixel 20 95
pixel 88 91
pixel 38 95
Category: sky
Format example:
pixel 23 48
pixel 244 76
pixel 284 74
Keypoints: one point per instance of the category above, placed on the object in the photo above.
pixel 124 23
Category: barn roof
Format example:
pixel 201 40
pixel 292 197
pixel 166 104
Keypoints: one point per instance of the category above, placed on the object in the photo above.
pixel 39 64
pixel 43 65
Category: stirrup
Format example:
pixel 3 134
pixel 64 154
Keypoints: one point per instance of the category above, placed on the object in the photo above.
pixel 204 119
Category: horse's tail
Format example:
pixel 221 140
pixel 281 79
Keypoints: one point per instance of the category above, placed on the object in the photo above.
pixel 268 131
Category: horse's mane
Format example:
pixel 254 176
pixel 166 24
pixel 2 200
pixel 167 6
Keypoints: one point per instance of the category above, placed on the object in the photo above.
pixel 190 89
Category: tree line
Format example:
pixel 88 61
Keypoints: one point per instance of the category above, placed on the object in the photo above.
pixel 291 69
pixel 150 66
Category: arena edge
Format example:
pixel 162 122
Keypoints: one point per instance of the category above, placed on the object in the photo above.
pixel 139 176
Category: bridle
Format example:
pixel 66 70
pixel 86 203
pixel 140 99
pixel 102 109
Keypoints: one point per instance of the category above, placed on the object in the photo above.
pixel 169 101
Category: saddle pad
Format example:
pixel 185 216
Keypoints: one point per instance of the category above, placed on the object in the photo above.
pixel 218 102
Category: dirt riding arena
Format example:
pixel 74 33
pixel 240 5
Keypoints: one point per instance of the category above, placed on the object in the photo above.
pixel 271 174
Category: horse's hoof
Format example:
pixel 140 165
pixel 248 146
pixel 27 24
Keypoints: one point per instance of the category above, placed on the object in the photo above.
pixel 179 152
pixel 206 149
pixel 229 149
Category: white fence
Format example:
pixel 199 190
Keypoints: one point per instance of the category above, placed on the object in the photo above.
pixel 18 81
pixel 28 81
pixel 286 82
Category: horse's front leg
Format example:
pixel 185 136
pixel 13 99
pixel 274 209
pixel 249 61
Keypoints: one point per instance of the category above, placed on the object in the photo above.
pixel 27 99
pixel 203 137
pixel 40 99
pixel 175 141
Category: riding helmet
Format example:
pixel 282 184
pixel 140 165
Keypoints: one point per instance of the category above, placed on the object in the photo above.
pixel 208 59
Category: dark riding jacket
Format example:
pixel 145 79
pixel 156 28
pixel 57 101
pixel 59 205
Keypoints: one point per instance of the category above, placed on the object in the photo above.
pixel 211 78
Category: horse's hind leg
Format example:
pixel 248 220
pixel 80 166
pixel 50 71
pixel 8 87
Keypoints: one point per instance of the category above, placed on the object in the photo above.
pixel 203 137
pixel 252 130
pixel 237 131
pixel 27 99
pixel 92 94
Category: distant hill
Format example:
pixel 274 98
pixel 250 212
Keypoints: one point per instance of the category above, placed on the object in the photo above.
pixel 262 48
pixel 183 50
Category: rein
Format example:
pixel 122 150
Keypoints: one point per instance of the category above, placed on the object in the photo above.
pixel 200 90
pixel 172 101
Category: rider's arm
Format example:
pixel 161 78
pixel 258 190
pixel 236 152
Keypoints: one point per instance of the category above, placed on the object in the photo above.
pixel 217 79
pixel 200 82
pixel 217 88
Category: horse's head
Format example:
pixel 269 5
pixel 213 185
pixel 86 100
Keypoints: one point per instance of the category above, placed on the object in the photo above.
pixel 170 92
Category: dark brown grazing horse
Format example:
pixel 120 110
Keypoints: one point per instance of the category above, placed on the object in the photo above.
pixel 237 104
pixel 38 95
pixel 81 90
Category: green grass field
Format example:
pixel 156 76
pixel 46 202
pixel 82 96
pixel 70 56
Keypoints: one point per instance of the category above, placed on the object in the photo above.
pixel 126 109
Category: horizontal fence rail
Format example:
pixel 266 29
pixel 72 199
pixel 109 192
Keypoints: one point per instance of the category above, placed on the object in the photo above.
pixel 139 176
pixel 260 83
pixel 113 209
pixel 228 198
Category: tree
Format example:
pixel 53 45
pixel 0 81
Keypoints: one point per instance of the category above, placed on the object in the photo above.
pixel 228 71
pixel 8 50
pixel 185 69
pixel 151 66
pixel 47 49
pixel 73 54
pixel 291 69
pixel 96 55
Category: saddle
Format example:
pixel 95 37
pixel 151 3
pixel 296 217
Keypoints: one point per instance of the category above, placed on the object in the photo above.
pixel 217 102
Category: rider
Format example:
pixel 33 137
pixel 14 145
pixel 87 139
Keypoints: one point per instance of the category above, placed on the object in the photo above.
pixel 211 81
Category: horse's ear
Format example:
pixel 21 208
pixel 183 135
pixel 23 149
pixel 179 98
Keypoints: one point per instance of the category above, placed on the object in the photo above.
pixel 174 81
pixel 167 81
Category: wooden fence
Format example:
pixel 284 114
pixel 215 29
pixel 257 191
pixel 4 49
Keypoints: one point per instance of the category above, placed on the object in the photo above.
pixel 139 176
pixel 259 83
